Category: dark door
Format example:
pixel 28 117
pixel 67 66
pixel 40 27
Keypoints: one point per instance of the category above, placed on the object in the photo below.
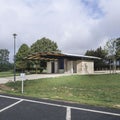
pixel 74 67
pixel 53 67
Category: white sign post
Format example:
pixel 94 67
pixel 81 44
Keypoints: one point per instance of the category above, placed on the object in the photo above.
pixel 22 75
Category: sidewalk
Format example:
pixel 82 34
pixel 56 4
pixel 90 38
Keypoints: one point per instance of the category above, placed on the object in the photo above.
pixel 30 77
pixel 38 76
pixel 106 72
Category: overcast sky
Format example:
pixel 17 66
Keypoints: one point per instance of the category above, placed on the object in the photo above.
pixel 76 25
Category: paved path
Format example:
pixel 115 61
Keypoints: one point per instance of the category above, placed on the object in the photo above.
pixel 31 77
pixel 21 108
pixel 37 76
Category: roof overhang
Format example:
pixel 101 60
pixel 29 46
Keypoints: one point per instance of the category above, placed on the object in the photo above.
pixel 54 55
pixel 76 56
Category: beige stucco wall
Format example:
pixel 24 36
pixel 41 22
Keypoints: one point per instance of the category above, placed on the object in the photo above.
pixel 49 67
pixel 68 66
pixel 85 67
pixel 56 66
pixel 78 66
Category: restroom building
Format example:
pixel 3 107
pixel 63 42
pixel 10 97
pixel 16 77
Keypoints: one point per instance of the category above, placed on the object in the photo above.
pixel 66 63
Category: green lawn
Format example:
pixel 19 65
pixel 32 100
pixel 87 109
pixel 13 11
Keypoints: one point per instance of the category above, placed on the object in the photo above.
pixel 7 74
pixel 103 90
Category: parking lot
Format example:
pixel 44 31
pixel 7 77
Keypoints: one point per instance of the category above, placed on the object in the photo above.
pixel 21 108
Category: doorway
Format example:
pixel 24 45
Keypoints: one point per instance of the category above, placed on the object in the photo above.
pixel 74 67
pixel 52 67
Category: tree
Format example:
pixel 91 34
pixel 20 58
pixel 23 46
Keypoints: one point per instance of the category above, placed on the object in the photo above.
pixel 44 45
pixel 4 56
pixel 90 52
pixel 110 48
pixel 118 48
pixel 4 60
pixel 23 51
pixel 113 49
pixel 99 52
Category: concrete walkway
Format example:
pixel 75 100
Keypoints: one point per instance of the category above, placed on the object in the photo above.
pixel 30 77
pixel 37 76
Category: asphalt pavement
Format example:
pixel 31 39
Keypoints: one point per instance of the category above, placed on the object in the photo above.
pixel 24 108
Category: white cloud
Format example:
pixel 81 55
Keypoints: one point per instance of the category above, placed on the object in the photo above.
pixel 111 22
pixel 76 25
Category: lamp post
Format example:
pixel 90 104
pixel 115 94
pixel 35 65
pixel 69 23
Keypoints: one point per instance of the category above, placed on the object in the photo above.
pixel 14 36
pixel 114 59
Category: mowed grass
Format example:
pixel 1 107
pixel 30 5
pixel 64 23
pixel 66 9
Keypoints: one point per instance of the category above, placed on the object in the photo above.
pixel 103 90
pixel 6 74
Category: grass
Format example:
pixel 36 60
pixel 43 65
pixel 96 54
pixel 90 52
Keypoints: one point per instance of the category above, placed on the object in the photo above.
pixel 7 74
pixel 102 90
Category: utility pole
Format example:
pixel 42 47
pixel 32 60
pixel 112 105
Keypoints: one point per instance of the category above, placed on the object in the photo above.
pixel 14 36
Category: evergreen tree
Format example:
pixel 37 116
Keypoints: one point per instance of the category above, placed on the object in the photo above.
pixel 99 52
pixel 21 63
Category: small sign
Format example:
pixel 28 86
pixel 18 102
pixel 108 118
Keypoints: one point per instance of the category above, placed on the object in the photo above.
pixel 22 75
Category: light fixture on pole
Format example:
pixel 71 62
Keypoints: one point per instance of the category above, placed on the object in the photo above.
pixel 14 35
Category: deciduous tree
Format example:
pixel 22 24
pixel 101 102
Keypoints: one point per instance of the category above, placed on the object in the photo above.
pixel 4 56
pixel 44 45
pixel 4 60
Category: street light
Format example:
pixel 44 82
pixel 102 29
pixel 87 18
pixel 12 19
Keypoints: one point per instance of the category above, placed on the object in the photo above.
pixel 14 35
